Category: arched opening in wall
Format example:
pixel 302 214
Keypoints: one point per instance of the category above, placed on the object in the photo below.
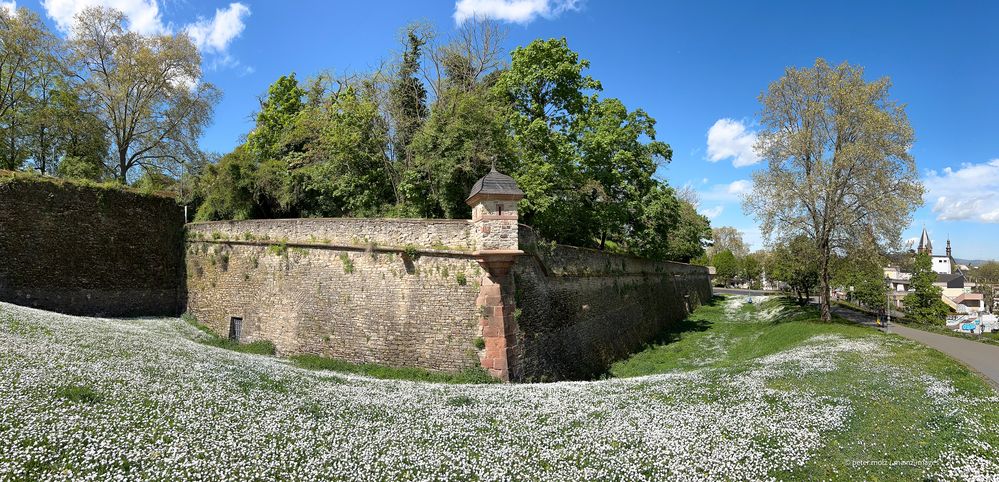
pixel 499 209
pixel 235 328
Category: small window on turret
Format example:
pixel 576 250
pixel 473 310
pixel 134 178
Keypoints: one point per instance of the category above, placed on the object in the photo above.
pixel 499 209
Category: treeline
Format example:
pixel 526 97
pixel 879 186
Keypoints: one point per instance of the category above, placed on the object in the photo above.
pixel 409 140
pixel 793 266
pixel 106 104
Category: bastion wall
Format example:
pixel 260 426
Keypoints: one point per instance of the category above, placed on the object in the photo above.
pixel 444 295
pixel 409 293
pixel 89 250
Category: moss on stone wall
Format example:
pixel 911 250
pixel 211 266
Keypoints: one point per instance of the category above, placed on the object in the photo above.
pixel 85 248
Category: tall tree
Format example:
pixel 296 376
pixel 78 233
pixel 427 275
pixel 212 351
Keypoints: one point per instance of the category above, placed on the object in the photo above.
pixel 727 237
pixel 147 91
pixel 618 164
pixel 25 52
pixel 986 278
pixel 795 263
pixel 923 304
pixel 839 168
pixel 408 96
pixel 726 266
pixel 277 114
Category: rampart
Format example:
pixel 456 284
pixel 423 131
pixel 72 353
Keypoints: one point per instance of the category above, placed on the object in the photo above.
pixel 445 295
pixel 354 289
pixel 580 309
pixel 89 250
pixel 414 293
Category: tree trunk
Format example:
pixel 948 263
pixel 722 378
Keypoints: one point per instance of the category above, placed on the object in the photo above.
pixel 825 306
pixel 123 167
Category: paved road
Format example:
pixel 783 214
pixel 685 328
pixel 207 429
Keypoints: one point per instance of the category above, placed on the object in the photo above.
pixel 980 357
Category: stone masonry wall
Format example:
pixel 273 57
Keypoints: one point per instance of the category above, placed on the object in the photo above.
pixel 440 234
pixel 89 250
pixel 579 310
pixel 361 301
pixel 560 313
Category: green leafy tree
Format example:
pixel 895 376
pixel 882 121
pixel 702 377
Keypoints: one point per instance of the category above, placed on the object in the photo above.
pixel 835 144
pixel 726 267
pixel 229 188
pixel 342 171
pixel 863 275
pixel 408 96
pixel 795 263
pixel 548 92
pixel 986 278
pixel 278 112
pixel 751 270
pixel 669 228
pixel 25 54
pixel 923 304
pixel 146 91
pixel 464 135
pixel 617 164
pixel 81 142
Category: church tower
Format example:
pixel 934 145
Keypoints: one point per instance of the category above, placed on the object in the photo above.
pixel 925 246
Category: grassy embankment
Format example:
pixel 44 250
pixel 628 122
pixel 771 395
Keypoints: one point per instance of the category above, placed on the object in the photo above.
pixel 894 422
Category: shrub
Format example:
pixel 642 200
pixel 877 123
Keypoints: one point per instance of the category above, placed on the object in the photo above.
pixel 280 249
pixel 348 264
pixel 462 280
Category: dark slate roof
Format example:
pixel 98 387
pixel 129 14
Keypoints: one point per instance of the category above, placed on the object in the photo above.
pixel 495 183
pixel 947 278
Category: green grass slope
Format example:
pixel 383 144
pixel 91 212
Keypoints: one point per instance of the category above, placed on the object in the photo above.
pixel 737 392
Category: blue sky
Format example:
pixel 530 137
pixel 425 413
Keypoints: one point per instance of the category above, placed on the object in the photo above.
pixel 696 67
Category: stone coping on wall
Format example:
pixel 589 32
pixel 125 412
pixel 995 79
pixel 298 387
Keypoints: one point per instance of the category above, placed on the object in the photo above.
pixel 404 250
pixel 428 235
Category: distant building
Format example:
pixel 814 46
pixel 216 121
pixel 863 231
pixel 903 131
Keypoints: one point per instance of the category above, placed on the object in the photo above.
pixel 950 279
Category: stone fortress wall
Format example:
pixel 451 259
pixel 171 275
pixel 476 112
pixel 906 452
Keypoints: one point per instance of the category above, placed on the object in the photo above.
pixel 445 295
pixel 89 250
pixel 395 292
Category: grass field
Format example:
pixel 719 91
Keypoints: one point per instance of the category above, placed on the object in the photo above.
pixel 747 392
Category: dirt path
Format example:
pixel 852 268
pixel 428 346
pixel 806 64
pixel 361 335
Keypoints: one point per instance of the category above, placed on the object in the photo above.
pixel 981 357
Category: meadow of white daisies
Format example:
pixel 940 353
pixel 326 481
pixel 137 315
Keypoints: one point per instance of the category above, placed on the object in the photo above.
pixel 142 399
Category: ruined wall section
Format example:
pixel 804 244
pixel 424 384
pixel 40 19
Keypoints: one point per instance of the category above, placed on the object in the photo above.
pixel 87 249
pixel 579 310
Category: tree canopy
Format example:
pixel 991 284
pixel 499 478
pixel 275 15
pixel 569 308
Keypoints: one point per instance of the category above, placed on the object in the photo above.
pixel 379 144
pixel 839 171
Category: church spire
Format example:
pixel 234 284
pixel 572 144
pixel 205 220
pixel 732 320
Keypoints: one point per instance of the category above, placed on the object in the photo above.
pixel 925 246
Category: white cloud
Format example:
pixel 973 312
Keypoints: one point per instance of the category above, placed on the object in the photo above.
pixel 143 15
pixel 10 7
pixel 215 35
pixel 211 36
pixel 969 193
pixel 727 193
pixel 516 11
pixel 729 139
pixel 712 213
